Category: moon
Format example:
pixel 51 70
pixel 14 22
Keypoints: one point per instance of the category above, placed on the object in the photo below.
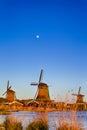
pixel 37 36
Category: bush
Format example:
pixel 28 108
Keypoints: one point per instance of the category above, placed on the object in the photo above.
pixel 12 125
pixel 39 124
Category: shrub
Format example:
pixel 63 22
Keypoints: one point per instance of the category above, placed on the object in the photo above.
pixel 12 125
pixel 39 124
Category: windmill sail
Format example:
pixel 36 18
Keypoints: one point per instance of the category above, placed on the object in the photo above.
pixel 7 84
pixel 33 83
pixel 41 74
pixel 79 90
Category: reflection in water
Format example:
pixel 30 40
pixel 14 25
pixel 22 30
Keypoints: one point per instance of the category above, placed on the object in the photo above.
pixel 54 118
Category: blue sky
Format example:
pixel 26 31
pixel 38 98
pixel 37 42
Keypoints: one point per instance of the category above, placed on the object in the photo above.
pixel 61 49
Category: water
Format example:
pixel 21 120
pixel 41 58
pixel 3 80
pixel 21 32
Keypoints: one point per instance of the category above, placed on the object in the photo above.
pixel 54 118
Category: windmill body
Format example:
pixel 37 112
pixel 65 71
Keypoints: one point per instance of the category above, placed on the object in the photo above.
pixel 79 96
pixel 10 94
pixel 42 93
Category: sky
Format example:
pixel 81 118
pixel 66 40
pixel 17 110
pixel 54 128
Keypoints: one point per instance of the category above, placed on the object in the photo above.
pixel 60 50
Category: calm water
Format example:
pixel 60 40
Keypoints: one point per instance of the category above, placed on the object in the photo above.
pixel 80 118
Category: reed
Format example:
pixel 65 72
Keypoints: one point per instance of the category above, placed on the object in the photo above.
pixel 11 124
pixel 39 124
pixel 67 126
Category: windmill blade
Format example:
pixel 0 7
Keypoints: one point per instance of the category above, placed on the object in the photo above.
pixel 41 74
pixel 6 91
pixel 7 84
pixel 36 94
pixel 79 90
pixel 9 88
pixel 34 84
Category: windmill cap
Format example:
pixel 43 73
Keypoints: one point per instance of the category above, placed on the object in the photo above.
pixel 43 84
pixel 12 91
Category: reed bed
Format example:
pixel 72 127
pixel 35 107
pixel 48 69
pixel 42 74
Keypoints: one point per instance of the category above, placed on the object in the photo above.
pixel 41 122
pixel 11 124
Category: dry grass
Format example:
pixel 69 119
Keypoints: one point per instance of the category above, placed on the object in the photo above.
pixel 67 126
pixel 39 124
pixel 11 124
pixel 68 122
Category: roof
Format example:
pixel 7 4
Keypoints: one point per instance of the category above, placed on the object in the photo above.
pixel 15 102
pixel 32 101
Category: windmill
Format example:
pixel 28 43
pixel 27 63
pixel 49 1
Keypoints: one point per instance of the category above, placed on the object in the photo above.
pixel 10 94
pixel 79 96
pixel 42 92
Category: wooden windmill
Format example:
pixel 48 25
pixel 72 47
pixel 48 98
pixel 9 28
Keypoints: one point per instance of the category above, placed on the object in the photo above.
pixel 10 94
pixel 79 96
pixel 42 92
